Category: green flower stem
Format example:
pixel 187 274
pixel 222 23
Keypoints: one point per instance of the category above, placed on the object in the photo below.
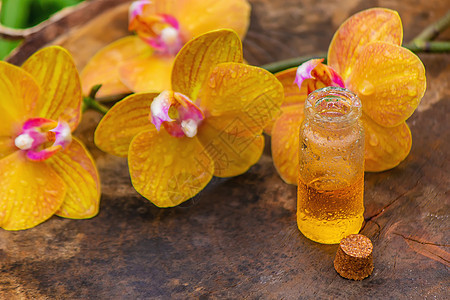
pixel 427 46
pixel 290 63
pixel 89 102
pixel 432 31
pixel 423 42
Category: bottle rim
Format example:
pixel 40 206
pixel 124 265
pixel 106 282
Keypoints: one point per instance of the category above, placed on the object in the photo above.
pixel 333 105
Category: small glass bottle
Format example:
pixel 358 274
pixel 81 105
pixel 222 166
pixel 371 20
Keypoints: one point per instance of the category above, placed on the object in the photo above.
pixel 331 176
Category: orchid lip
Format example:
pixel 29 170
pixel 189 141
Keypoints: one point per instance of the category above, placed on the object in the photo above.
pixel 189 127
pixel 159 109
pixel 136 8
pixel 24 141
pixel 160 31
pixel 304 71
pixel 177 113
pixel 36 137
pixel 168 41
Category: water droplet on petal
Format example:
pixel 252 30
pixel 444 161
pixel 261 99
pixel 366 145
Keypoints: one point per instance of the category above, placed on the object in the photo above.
pixel 212 82
pixel 168 159
pixel 393 89
pixel 412 91
pixel 51 192
pixel 366 88
pixel 421 75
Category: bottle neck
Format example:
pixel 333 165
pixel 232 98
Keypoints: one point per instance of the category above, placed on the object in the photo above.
pixel 332 108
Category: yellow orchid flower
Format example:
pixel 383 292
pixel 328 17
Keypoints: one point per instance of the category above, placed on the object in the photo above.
pixel 44 169
pixel 364 56
pixel 143 63
pixel 208 123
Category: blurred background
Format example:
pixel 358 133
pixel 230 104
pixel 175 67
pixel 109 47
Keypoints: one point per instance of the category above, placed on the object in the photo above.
pixel 22 14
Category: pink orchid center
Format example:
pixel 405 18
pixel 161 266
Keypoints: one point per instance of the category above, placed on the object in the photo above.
pixel 177 113
pixel 160 31
pixel 314 69
pixel 41 138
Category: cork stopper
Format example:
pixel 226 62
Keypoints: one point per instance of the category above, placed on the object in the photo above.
pixel 354 257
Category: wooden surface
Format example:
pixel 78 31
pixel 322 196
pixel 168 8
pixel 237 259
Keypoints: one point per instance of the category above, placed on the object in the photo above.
pixel 238 238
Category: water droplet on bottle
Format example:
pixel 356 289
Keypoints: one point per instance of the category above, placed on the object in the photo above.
pixel 373 140
pixel 389 149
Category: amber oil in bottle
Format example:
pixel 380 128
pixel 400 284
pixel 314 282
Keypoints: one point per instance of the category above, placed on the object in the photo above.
pixel 331 176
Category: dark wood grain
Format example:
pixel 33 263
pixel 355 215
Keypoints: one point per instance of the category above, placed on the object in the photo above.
pixel 238 238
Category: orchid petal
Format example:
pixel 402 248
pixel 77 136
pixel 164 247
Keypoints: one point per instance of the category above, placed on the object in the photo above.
pixel 6 146
pixel 285 143
pixel 390 81
pixel 122 122
pixel 200 16
pixel 230 91
pixel 30 192
pixel 376 24
pixel 103 68
pixel 385 147
pixel 292 94
pixel 200 55
pixel 197 17
pixel 232 145
pixel 56 73
pixel 149 72
pixel 168 170
pixel 77 168
pixel 19 92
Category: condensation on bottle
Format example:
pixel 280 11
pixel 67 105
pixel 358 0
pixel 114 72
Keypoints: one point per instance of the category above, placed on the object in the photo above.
pixel 330 193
